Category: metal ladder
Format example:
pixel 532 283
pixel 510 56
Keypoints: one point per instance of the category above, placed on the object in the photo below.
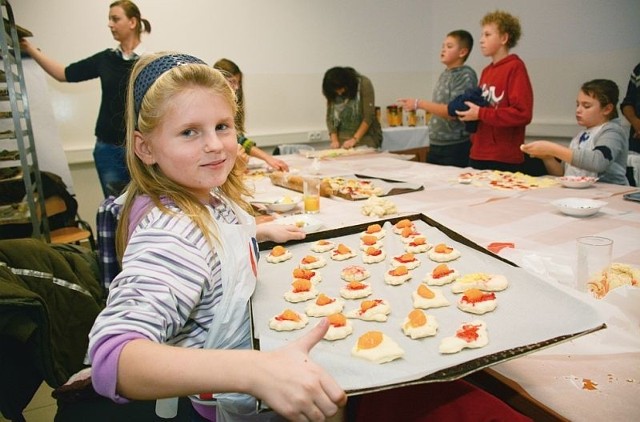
pixel 13 89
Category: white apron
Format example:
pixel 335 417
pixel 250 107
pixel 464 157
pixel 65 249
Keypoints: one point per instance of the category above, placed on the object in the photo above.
pixel 230 328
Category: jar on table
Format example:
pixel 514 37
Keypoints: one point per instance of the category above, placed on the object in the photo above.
pixel 392 115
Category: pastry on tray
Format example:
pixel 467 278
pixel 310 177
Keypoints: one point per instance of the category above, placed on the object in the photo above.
pixel 476 301
pixel 342 252
pixel 311 262
pixel 324 306
pixel 322 246
pixel 418 324
pixel 279 254
pixel 483 281
pixel 418 244
pixel 443 253
pixel 288 320
pixel 374 230
pixel 354 273
pixel 397 275
pixel 301 290
pixel 312 276
pixel 377 347
pixel 355 290
pixel 373 255
pixel 441 275
pixel 470 335
pixel 406 259
pixel 339 327
pixel 371 310
pixel 425 297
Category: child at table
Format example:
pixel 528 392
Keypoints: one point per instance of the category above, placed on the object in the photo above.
pixel 177 319
pixel 505 85
pixel 601 149
pixel 449 142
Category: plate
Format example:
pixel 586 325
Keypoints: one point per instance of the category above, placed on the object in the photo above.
pixel 577 182
pixel 283 203
pixel 578 207
pixel 307 223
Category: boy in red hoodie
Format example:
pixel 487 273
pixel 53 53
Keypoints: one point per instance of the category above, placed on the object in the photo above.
pixel 505 85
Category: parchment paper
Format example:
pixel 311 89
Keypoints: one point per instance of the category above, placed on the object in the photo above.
pixel 529 312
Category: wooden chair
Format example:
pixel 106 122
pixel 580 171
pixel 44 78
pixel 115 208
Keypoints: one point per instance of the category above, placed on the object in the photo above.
pixel 76 234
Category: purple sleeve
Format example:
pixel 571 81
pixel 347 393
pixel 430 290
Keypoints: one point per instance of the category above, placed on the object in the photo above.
pixel 104 368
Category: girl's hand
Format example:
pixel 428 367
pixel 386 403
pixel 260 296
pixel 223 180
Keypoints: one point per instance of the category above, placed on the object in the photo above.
pixel 279 233
pixel 334 144
pixel 277 164
pixel 296 387
pixel 349 143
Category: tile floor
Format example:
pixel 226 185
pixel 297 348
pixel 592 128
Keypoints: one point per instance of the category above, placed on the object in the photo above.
pixel 42 407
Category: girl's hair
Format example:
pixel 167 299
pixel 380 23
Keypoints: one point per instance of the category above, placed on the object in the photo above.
pixel 506 23
pixel 229 68
pixel 605 91
pixel 132 11
pixel 149 179
pixel 337 78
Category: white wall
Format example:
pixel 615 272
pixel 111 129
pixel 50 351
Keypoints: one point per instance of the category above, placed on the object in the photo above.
pixel 284 47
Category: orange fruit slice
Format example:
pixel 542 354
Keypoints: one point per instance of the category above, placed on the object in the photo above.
pixel 425 292
pixel 399 270
pixel 309 259
pixel 323 299
pixel 337 320
pixel 370 339
pixel 417 318
pixel 369 240
pixel 301 285
pixel 278 251
pixel 288 315
pixel 374 228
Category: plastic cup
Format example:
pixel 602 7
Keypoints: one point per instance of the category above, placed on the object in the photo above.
pixel 594 255
pixel 311 195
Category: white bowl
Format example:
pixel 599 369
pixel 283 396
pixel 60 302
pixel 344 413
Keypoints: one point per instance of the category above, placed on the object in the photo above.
pixel 577 182
pixel 283 203
pixel 578 207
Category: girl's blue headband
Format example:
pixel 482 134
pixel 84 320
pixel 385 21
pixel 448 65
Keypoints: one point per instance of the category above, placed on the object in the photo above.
pixel 153 71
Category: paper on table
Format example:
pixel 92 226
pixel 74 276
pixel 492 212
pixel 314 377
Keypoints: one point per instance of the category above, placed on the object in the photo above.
pixel 529 311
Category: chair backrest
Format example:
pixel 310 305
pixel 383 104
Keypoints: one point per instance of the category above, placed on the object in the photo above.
pixel 106 223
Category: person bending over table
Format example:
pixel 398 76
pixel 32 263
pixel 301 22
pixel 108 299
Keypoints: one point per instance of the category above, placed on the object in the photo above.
pixel 351 112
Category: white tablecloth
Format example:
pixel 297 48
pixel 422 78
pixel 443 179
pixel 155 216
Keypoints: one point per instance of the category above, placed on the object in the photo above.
pixel 544 243
pixel 404 137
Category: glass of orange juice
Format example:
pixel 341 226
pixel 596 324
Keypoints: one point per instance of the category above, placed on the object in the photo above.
pixel 311 195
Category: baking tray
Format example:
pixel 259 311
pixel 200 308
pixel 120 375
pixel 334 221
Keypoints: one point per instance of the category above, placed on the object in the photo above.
pixel 549 317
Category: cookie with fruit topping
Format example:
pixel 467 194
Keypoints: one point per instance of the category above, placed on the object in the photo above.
pixel 370 240
pixel 324 306
pixel 470 335
pixel 475 301
pixel 342 252
pixel 373 255
pixel 418 244
pixel 371 310
pixel 397 275
pixel 483 281
pixel 288 320
pixel 403 224
pixel 311 262
pixel 408 260
pixel 377 347
pixel 374 230
pixel 301 290
pixel 418 324
pixel 279 254
pixel 312 276
pixel 339 327
pixel 354 273
pixel 441 275
pixel 443 253
pixel 408 234
pixel 355 290
pixel 425 297
pixel 322 245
